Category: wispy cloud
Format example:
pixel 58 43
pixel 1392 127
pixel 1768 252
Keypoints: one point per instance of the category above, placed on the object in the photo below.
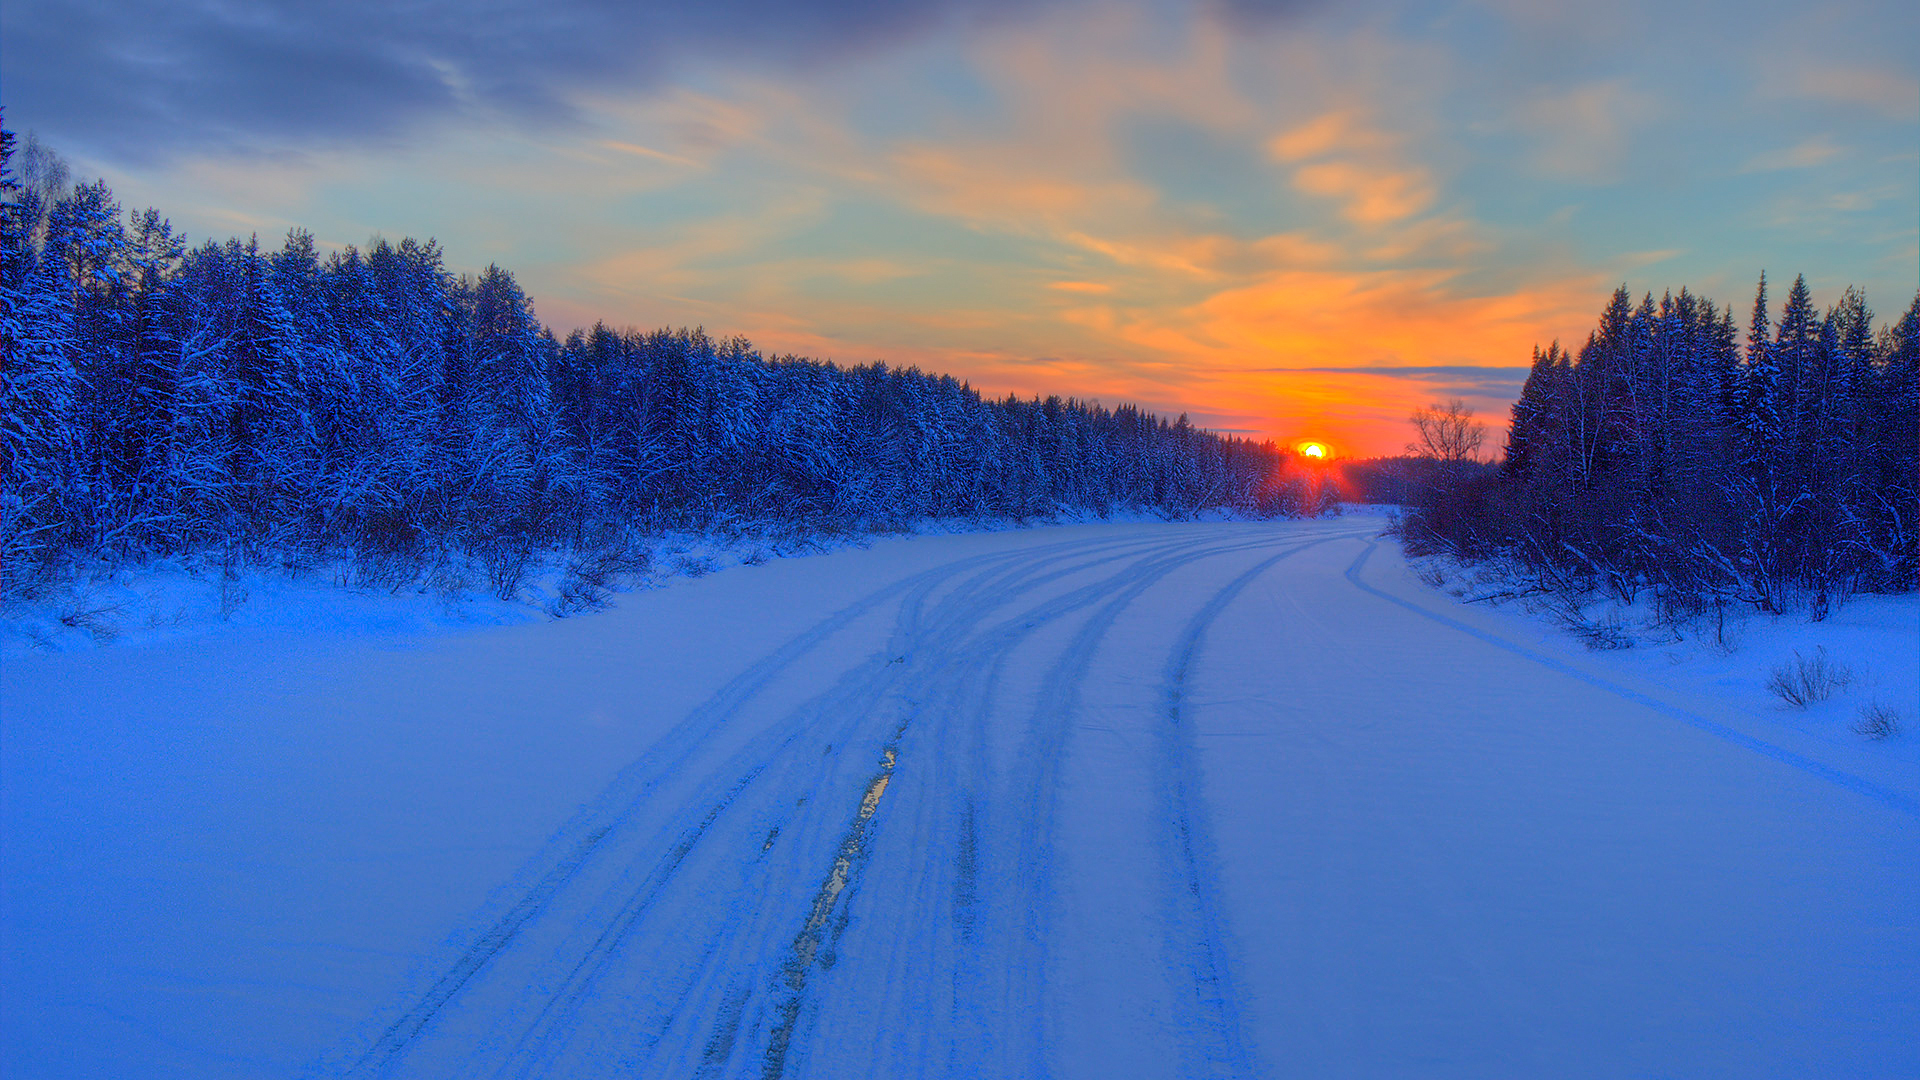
pixel 649 152
pixel 140 81
pixel 1340 131
pixel 1583 133
pixel 1340 156
pixel 1371 196
pixel 1894 94
pixel 1490 372
pixel 1804 154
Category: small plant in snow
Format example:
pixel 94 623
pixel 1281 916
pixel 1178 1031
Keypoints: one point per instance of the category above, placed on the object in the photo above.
pixel 695 565
pixel 594 574
pixel 1601 634
pixel 232 592
pixel 1807 679
pixel 94 620
pixel 1878 721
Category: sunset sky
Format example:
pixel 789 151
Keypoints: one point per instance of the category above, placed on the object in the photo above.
pixel 1290 220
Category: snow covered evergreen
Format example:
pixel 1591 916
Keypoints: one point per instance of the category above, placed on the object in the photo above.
pixel 375 406
pixel 1659 458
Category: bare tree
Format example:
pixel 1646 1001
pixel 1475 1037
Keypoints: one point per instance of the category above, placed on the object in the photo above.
pixel 45 179
pixel 1447 432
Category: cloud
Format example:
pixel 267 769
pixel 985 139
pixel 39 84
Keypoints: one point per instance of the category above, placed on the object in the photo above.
pixel 1380 319
pixel 1295 251
pixel 1493 373
pixel 1582 134
pixel 134 80
pixel 987 181
pixel 1340 131
pixel 1466 379
pixel 1365 171
pixel 1894 94
pixel 648 152
pixel 1802 155
pixel 1258 14
pixel 1372 197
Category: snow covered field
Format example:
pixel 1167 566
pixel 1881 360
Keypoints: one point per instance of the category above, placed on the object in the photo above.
pixel 1123 800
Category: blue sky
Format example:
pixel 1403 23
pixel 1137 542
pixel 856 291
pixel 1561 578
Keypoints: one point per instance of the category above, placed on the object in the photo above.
pixel 1294 220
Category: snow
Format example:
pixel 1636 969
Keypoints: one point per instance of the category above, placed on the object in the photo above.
pixel 176 599
pixel 1874 639
pixel 1105 800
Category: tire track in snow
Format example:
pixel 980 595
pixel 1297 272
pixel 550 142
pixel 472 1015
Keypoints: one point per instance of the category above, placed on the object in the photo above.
pixel 962 667
pixel 947 648
pixel 812 937
pixel 578 840
pixel 1018 923
pixel 1033 869
pixel 555 1017
pixel 1857 784
pixel 862 688
pixel 1192 900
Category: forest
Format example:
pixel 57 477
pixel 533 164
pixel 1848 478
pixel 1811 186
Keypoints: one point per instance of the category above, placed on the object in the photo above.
pixel 1666 457
pixel 239 402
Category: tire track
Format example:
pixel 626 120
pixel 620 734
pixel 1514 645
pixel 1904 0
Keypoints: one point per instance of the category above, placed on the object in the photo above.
pixel 861 689
pixel 1000 571
pixel 579 839
pixel 945 635
pixel 1192 899
pixel 986 651
pixel 1023 992
pixel 961 668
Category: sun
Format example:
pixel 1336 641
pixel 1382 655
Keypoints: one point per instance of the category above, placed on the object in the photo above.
pixel 1313 450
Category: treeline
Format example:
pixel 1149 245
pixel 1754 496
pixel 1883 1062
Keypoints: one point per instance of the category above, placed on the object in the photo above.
pixel 1403 480
pixel 1668 455
pixel 157 399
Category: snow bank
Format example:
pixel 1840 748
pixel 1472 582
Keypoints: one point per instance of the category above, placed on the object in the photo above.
pixel 177 599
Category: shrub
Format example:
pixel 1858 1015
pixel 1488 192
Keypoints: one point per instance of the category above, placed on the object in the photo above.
pixel 593 574
pixel 1877 721
pixel 1807 679
pixel 96 621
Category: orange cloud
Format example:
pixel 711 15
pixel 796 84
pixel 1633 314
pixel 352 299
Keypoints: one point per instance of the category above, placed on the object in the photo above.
pixel 1372 197
pixel 1336 355
pixel 1335 319
pixel 982 181
pixel 1296 250
pixel 1340 130
pixel 1364 171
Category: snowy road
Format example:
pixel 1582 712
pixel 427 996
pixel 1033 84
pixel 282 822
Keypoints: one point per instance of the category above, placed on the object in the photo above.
pixel 1229 800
